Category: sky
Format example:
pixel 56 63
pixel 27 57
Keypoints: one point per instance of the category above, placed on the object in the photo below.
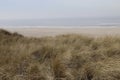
pixel 53 9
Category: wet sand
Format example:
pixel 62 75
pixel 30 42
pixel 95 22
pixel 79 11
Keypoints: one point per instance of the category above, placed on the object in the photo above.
pixel 42 32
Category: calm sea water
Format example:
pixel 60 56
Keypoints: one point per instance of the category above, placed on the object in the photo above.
pixel 61 23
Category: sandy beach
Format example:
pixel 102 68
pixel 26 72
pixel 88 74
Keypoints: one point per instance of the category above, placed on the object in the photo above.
pixel 42 32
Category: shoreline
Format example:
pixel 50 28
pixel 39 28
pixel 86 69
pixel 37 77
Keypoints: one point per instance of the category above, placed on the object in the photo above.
pixel 64 27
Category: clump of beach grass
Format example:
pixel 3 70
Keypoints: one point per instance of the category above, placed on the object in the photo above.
pixel 64 57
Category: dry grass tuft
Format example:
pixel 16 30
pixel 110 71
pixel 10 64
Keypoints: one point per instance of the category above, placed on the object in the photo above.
pixel 64 57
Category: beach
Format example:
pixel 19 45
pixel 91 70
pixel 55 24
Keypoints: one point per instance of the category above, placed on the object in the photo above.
pixel 43 32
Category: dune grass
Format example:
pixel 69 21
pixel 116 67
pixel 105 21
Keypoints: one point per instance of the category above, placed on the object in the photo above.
pixel 64 57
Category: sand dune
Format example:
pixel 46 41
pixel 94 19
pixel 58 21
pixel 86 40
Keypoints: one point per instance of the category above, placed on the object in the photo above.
pixel 64 57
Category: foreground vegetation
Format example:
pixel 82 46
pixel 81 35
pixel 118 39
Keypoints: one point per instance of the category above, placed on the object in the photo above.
pixel 64 57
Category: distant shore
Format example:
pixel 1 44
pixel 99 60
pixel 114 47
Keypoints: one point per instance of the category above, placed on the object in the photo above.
pixel 42 32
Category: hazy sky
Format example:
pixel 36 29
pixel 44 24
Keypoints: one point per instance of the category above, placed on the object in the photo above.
pixel 40 9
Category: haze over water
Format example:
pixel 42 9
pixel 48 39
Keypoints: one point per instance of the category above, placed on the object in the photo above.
pixel 37 13
pixel 57 23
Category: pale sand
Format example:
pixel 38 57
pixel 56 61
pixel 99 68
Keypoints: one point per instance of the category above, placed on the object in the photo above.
pixel 42 32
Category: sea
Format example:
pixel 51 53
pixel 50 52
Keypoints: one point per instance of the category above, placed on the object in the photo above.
pixel 61 23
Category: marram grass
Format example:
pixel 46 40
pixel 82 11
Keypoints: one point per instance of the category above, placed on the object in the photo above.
pixel 64 57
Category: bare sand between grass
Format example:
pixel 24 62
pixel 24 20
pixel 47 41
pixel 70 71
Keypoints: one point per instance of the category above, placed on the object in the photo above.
pixel 43 32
